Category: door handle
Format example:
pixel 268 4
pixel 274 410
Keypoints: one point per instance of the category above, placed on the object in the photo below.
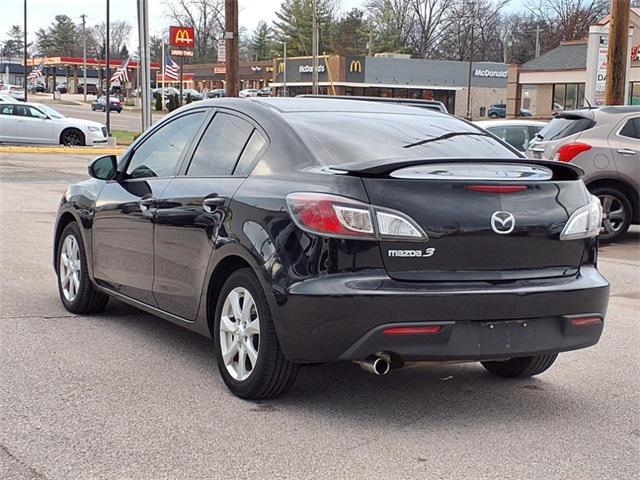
pixel 147 202
pixel 212 203
pixel 626 151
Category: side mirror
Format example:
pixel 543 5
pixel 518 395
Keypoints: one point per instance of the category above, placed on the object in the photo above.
pixel 104 168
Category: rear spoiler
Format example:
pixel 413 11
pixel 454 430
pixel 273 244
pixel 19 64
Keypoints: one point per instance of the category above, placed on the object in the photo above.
pixel 377 168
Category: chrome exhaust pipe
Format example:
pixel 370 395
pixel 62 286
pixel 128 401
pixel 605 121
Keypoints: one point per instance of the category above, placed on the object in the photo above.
pixel 376 364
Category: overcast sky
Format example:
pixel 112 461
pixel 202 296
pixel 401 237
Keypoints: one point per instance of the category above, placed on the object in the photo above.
pixel 41 13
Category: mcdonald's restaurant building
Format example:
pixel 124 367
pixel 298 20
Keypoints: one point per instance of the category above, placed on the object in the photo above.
pixel 399 77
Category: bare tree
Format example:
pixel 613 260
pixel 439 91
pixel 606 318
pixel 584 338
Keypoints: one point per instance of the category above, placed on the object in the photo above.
pixel 567 19
pixel 392 23
pixel 97 36
pixel 430 21
pixel 207 19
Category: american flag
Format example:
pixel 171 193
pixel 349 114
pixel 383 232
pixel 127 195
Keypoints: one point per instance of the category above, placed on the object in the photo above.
pixel 171 68
pixel 121 75
pixel 36 72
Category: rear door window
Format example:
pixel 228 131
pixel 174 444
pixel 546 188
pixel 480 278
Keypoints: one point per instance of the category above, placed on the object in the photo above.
pixel 561 127
pixel 221 146
pixel 631 128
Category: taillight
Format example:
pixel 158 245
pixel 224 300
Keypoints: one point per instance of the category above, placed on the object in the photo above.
pixel 568 152
pixel 331 215
pixel 336 216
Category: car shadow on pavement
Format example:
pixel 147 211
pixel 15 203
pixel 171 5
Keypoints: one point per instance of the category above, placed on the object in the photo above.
pixel 416 393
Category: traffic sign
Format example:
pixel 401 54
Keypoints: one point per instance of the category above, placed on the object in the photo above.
pixel 222 50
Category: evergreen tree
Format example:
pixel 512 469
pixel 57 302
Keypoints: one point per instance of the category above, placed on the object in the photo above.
pixel 351 34
pixel 14 44
pixel 294 25
pixel 262 44
pixel 61 38
pixel 124 52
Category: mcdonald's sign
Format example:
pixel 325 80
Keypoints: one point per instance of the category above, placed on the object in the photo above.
pixel 355 66
pixel 281 67
pixel 181 37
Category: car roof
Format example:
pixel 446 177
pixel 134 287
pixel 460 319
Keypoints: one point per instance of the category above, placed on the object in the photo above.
pixel 307 104
pixel 506 123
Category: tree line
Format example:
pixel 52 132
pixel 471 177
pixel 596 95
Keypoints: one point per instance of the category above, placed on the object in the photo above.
pixel 437 29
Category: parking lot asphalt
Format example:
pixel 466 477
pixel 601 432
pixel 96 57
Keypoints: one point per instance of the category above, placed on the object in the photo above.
pixel 124 395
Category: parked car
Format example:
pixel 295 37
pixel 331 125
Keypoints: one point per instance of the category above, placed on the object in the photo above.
pixel 7 99
pixel 248 93
pixel 300 230
pixel 265 92
pixel 116 90
pixel 217 93
pixel 605 143
pixel 62 88
pixel 92 89
pixel 40 124
pixel 115 105
pixel 499 110
pixel 517 133
pixel 410 102
pixel 37 87
pixel 15 91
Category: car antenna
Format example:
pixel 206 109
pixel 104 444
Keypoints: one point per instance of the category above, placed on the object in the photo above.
pixel 588 103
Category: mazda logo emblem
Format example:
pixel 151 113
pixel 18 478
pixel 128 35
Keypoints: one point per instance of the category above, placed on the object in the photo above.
pixel 503 222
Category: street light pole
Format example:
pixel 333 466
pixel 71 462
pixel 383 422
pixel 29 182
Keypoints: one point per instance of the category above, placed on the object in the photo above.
pixel 314 50
pixel 25 51
pixel 84 57
pixel 284 72
pixel 143 63
pixel 107 107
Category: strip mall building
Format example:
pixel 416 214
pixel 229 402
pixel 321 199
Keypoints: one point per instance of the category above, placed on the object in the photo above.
pixel 445 81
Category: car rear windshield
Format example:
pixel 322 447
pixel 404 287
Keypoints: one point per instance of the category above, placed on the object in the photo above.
pixel 339 138
pixel 561 127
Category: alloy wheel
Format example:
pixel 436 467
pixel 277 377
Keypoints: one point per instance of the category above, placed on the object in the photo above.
pixel 72 139
pixel 70 268
pixel 613 214
pixel 239 334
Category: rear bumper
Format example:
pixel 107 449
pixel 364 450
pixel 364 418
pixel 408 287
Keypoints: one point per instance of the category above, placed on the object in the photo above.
pixel 341 317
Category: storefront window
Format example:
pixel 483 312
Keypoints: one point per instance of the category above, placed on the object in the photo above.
pixel 634 93
pixel 568 96
pixel 559 91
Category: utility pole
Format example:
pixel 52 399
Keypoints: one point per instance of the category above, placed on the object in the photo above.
pixel 537 40
pixel 143 63
pixel 24 53
pixel 84 57
pixel 314 50
pixel 370 44
pixel 618 52
pixel 232 47
pixel 469 115
pixel 107 107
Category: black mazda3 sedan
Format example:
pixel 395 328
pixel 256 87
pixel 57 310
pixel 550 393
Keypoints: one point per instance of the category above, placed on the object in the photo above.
pixel 308 230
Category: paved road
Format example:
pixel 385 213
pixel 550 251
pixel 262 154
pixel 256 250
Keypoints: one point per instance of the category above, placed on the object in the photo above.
pixel 127 120
pixel 125 395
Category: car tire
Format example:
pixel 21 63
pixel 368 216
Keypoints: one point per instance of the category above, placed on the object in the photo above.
pixel 72 137
pixel 77 292
pixel 521 367
pixel 270 373
pixel 493 115
pixel 616 202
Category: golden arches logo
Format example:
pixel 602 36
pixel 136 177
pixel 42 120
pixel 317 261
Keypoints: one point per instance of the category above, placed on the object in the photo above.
pixel 355 66
pixel 281 67
pixel 183 37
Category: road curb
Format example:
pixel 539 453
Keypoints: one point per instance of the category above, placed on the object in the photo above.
pixel 68 150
